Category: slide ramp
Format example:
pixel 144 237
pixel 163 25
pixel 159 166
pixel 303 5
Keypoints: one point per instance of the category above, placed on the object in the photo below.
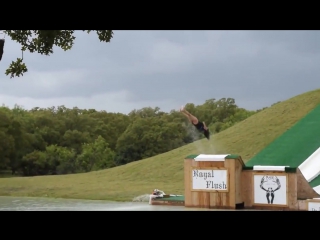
pixel 310 168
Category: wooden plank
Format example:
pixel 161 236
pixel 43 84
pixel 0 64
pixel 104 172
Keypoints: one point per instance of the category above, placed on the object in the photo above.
pixel 247 187
pixel 268 208
pixel 230 198
pixel 219 201
pixel 292 191
pixel 195 195
pixel 210 164
pixel 215 199
pixel 302 205
pixel 238 193
pixel 187 182
pixel 195 199
pixel 168 203
pixel 225 200
pixel 313 200
pixel 204 199
pixel 212 200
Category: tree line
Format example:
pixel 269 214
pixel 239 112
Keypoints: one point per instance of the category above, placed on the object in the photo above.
pixel 59 140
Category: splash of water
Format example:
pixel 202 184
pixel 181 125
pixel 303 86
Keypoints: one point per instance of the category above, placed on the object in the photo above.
pixel 141 198
pixel 200 145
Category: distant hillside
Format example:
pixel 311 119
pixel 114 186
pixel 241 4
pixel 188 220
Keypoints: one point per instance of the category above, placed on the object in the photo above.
pixel 165 171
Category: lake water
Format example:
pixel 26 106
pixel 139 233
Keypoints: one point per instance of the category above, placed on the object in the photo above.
pixel 52 204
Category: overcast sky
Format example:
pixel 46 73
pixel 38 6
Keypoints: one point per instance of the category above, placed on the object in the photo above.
pixel 166 69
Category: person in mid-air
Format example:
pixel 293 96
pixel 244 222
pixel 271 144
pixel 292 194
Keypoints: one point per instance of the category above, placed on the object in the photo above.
pixel 1 48
pixel 200 126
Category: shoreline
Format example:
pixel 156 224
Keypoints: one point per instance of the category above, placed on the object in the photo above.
pixel 65 198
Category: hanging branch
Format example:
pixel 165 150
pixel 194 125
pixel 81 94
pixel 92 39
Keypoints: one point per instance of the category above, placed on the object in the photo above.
pixel 43 41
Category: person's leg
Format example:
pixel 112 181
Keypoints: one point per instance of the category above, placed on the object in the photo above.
pixel 192 118
pixel 272 197
pixel 268 197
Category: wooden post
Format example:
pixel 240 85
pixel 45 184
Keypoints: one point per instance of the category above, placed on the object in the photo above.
pixel 213 181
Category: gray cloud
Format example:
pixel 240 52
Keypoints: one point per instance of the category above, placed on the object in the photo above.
pixel 257 68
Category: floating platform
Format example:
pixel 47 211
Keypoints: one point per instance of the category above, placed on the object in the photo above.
pixel 168 200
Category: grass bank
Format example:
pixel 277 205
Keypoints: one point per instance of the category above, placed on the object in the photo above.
pixel 165 171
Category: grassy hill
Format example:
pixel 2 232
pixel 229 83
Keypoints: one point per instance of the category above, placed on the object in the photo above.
pixel 165 171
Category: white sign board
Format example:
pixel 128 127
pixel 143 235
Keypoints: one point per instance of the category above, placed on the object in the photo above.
pixel 210 179
pixel 314 206
pixel 270 189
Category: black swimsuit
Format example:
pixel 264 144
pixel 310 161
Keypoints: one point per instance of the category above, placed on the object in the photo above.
pixel 199 126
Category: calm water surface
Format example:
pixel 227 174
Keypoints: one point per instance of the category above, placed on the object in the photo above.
pixel 52 204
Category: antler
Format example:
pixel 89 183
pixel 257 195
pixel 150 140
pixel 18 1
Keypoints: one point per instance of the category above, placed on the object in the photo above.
pixel 277 181
pixel 263 180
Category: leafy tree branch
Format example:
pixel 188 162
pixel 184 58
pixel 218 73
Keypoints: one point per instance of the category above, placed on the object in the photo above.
pixel 43 41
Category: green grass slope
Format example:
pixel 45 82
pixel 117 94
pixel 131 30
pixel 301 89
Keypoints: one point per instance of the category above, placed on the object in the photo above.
pixel 165 171
pixel 294 146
